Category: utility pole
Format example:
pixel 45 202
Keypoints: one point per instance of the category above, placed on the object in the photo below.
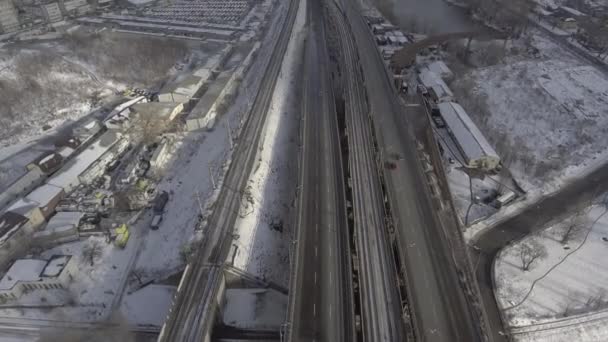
pixel 200 203
pixel 211 177
pixel 229 135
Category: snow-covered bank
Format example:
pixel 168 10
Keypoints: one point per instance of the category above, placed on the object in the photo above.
pixel 262 229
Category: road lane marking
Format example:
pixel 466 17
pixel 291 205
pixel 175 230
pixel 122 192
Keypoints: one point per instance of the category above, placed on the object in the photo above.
pixel 315 277
pixel 330 312
pixel 329 277
pixel 314 309
pixel 316 252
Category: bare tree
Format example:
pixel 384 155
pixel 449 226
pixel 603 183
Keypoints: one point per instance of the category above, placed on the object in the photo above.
pixel 92 251
pixel 147 127
pixel 529 252
pixel 576 225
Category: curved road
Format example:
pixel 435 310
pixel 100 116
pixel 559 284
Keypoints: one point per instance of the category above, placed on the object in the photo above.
pixel 533 219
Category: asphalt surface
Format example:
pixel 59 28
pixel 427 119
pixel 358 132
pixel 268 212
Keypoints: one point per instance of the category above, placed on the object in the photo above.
pixel 380 300
pixel 321 295
pixel 191 314
pixel 437 301
pixel 531 220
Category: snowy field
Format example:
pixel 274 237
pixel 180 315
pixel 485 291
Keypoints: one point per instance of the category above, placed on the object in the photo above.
pixel 547 117
pixel 264 224
pixel 566 275
pixel 544 110
pixel 45 83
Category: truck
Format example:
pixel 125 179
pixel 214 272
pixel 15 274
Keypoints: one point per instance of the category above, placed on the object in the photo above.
pixel 160 201
pixel 505 199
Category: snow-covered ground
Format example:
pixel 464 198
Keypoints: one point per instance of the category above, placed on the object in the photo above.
pixel 148 306
pixel 567 280
pixel 543 109
pixel 188 180
pixel 256 309
pixel 263 227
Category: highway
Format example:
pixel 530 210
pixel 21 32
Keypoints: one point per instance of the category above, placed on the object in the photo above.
pixel 321 292
pixel 440 310
pixel 190 317
pixel 380 301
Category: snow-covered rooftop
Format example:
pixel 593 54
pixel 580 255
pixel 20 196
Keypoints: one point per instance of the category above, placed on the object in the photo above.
pixel 23 206
pixel 9 223
pixel 259 309
pixel 162 110
pixel 22 270
pixel 68 175
pixel 439 68
pixel 63 220
pixel 55 265
pixel 472 142
pixel 432 81
pixel 573 11
pixel 44 194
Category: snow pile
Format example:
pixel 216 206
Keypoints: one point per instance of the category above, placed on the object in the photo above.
pixel 568 278
pixel 148 306
pixel 262 246
pixel 255 309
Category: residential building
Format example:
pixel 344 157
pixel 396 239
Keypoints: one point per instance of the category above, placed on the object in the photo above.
pixel 47 196
pixel 52 12
pixel 9 22
pixel 476 150
pixel 74 7
pixel 37 275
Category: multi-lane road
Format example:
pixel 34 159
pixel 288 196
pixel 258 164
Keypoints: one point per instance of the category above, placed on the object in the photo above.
pixel 437 300
pixel 321 293
pixel 191 315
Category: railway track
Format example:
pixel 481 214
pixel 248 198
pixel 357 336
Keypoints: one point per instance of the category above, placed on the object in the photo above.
pixel 190 317
pixel 381 317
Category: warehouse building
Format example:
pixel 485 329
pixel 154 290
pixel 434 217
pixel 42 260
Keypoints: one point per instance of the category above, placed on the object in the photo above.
pixel 437 89
pixel 475 149
pixel 37 275
pixel 198 117
pixel 28 209
pixel 161 111
pixel 68 177
pixel 47 196
pixel 182 92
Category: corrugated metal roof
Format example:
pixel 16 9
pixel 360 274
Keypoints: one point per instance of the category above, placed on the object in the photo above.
pixel 471 141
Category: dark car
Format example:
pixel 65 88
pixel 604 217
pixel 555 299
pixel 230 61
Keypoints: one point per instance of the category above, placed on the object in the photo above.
pixel 438 121
pixel 160 201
